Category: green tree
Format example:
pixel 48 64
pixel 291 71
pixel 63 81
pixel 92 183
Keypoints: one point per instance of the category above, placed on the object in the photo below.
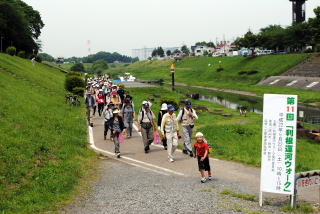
pixel 78 67
pixel 314 25
pixel 185 50
pixel 46 57
pixel 160 52
pixel 154 53
pixel 168 53
pixel 99 67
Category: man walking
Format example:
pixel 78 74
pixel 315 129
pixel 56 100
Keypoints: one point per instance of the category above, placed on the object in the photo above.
pixel 90 102
pixel 146 125
pixel 186 117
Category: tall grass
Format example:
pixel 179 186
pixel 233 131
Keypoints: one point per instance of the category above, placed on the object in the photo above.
pixel 43 150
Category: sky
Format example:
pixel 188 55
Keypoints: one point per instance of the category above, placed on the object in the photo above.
pixel 123 25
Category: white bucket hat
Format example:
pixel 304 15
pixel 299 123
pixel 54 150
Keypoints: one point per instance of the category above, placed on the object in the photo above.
pixel 199 134
pixel 116 111
pixel 164 106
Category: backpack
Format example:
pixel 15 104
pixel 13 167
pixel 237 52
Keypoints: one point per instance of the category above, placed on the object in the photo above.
pixel 183 113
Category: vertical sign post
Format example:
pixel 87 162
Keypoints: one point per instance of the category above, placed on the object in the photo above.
pixel 172 74
pixel 278 145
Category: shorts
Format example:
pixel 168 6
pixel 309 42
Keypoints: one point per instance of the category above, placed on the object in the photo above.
pixel 204 165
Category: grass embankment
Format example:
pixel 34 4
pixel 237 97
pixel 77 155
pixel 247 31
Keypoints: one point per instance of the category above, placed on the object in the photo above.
pixel 43 141
pixel 235 138
pixel 235 74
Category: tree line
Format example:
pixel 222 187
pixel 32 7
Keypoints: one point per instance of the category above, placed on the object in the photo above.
pixel 293 38
pixel 20 27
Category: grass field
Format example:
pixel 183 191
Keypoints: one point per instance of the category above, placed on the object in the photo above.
pixel 196 71
pixel 237 138
pixel 43 141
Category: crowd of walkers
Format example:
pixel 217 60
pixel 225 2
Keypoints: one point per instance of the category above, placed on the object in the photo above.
pixel 118 111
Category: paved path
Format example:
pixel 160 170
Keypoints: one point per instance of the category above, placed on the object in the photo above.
pixel 148 183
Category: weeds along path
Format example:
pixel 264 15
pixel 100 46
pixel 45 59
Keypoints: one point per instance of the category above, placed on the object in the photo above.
pixel 148 183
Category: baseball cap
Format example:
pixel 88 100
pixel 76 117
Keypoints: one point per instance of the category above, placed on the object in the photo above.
pixel 188 103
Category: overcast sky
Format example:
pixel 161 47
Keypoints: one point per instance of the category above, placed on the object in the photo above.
pixel 122 25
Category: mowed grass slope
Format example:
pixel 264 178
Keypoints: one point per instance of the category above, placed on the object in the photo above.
pixel 196 71
pixel 43 150
pixel 235 138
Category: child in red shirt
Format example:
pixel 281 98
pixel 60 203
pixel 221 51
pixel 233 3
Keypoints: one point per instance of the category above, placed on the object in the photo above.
pixel 201 150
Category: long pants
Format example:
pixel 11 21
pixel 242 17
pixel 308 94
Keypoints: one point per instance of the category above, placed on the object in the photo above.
pixel 187 134
pixel 147 137
pixel 89 115
pixel 129 128
pixel 94 109
pixel 106 128
pixel 100 108
pixel 172 142
pixel 116 143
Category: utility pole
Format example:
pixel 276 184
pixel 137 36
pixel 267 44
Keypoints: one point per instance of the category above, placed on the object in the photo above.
pixel 172 74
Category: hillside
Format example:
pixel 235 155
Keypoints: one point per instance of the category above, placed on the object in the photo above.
pixel 239 73
pixel 43 150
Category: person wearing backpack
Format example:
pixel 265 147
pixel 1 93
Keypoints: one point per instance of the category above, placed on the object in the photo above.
pixel 128 115
pixel 170 130
pixel 90 102
pixel 107 114
pixel 117 127
pixel 163 111
pixel 186 117
pixel 146 125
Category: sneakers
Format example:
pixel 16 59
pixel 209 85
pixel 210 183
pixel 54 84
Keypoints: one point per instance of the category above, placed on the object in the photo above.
pixel 203 180
pixel 210 178
pixel 165 148
pixel 185 151
pixel 118 155
pixel 171 160
pixel 191 154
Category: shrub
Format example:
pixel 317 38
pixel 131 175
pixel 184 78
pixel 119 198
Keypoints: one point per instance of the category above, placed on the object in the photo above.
pixel 38 59
pixel 308 50
pixel 22 54
pixel 78 91
pixel 318 47
pixel 220 69
pixel 77 67
pixel 72 82
pixel 11 50
pixel 170 101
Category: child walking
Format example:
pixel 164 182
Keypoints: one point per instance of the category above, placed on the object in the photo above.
pixel 201 150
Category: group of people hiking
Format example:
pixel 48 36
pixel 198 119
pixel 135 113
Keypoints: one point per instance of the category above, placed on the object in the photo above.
pixel 117 108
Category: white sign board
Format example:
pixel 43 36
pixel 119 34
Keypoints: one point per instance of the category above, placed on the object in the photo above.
pixel 278 143
pixel 308 182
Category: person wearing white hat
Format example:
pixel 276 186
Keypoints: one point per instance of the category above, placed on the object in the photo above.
pixel 201 152
pixel 101 101
pixel 117 127
pixel 162 112
pixel 170 129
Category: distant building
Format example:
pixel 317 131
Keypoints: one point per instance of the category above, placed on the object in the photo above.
pixel 199 50
pixel 145 53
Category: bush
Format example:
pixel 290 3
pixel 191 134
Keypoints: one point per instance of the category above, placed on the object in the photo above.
pixel 11 50
pixel 220 69
pixel 78 91
pixel 318 47
pixel 22 54
pixel 308 50
pixel 38 58
pixel 170 101
pixel 72 82
pixel 78 67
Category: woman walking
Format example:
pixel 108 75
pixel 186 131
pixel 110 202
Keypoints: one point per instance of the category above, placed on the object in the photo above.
pixel 170 129
pixel 162 112
pixel 128 115
pixel 116 127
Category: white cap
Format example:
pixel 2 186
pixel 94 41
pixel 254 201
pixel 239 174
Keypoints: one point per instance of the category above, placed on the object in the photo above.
pixel 100 90
pixel 199 134
pixel 144 102
pixel 116 111
pixel 164 106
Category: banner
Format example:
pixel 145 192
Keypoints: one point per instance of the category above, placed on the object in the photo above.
pixel 279 143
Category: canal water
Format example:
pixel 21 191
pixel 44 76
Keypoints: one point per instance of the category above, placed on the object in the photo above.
pixel 307 114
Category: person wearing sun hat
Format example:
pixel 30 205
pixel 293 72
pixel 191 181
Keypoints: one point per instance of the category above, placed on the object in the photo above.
pixel 186 117
pixel 162 112
pixel 117 127
pixel 146 125
pixel 170 130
